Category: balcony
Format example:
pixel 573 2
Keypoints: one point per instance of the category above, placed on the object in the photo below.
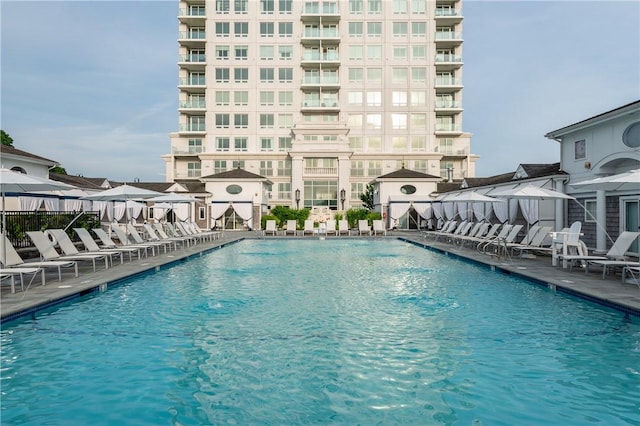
pixel 311 34
pixel 448 107
pixel 191 174
pixel 320 171
pixel 192 84
pixel 319 58
pixel 325 9
pixel 193 104
pixel 324 105
pixel 190 152
pixel 448 15
pixel 192 39
pixel 192 128
pixel 447 128
pixel 448 39
pixel 453 152
pixel 194 15
pixel 317 81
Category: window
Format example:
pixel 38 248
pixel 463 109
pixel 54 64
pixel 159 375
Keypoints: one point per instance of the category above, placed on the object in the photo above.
pixel 285 121
pixel 222 75
pixel 399 143
pixel 266 121
pixel 241 75
pixel 419 51
pixel 355 51
pixel 399 52
pixel 375 168
pixel 354 121
pixel 374 7
pixel 374 121
pixel 241 6
pixel 284 189
pixel 266 98
pixel 354 98
pixel 222 52
pixel 242 52
pixel 222 97
pixel 266 144
pixel 398 121
pixel 266 75
pixel 196 56
pixel 285 6
pixel 374 74
pixel 241 98
pixel 374 98
pixel 196 123
pixel 266 168
pixel 418 121
pixel 202 213
pixel 631 135
pixel 241 29
pixel 356 7
pixel 355 29
pixel 418 7
pixel 357 188
pixel 267 29
pixel 238 164
pixel 580 149
pixel 285 75
pixel 355 75
pixel 400 7
pixel 284 168
pixel 418 29
pixel 374 144
pixel 195 146
pixel 285 98
pixel 400 29
pixel 355 143
pixel 418 98
pixel 219 166
pixel 284 143
pixel 590 210
pixel 222 6
pixel 222 121
pixel 194 169
pixel 374 29
pixel 399 98
pixel 266 52
pixel 445 146
pixel 285 29
pixel 420 166
pixel 222 29
pixel 399 75
pixel 418 143
pixel 196 79
pixel 419 74
pixel 241 121
pixel 266 6
pixel 240 144
pixel 222 144
pixel 374 51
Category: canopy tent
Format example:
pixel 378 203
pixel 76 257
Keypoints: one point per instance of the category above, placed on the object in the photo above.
pixel 122 193
pixel 166 202
pixel 528 197
pixel 613 182
pixel 243 209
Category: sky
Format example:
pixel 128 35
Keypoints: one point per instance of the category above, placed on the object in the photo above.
pixel 93 84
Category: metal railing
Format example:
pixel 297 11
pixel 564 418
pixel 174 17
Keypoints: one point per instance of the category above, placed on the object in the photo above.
pixel 19 223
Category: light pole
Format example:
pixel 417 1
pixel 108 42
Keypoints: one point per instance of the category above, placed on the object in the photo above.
pixel 343 196
pixel 297 199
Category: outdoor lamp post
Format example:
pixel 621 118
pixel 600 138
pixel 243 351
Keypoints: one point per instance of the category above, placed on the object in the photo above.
pixel 343 196
pixel 297 199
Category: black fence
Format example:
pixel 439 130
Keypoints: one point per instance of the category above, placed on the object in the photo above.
pixel 19 223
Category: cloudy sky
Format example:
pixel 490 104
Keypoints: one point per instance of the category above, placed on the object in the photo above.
pixel 92 84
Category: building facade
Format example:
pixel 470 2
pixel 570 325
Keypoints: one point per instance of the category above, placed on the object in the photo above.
pixel 319 96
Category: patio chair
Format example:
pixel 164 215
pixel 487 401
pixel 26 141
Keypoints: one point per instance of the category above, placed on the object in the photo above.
pixel 187 239
pixel 107 242
pixel 69 249
pixel 12 272
pixel 483 235
pixel 48 252
pixel 615 257
pixel 153 236
pixel 308 227
pixel 92 246
pixel 567 241
pixel 124 240
pixel 13 260
pixel 270 228
pixel 535 244
pixel 137 238
pixel 292 226
pixel 378 227
pixel 363 227
pixel 343 227
pixel 331 227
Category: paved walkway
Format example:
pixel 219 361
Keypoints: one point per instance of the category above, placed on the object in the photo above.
pixel 609 291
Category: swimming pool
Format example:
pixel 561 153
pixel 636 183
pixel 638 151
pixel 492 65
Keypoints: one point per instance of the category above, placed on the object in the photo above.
pixel 318 332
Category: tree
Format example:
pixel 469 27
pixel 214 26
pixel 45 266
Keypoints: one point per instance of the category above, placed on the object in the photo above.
pixel 367 198
pixel 6 139
pixel 58 169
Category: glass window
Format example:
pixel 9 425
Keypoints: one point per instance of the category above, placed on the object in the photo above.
pixel 222 6
pixel 355 75
pixel 374 51
pixel 222 144
pixel 418 121
pixel 222 97
pixel 374 144
pixel 284 143
pixel 354 121
pixel 399 75
pixel 222 29
pixel 355 29
pixel 241 121
pixel 285 75
pixel 399 121
pixel 195 146
pixel 222 52
pixel 374 121
pixel 400 7
pixel 267 29
pixel 355 98
pixel 285 52
pixel 419 51
pixel 418 7
pixel 285 98
pixel 580 149
pixel 355 143
pixel 399 98
pixel 222 121
pixel 266 98
pixel 266 144
pixel 419 74
pixel 241 29
pixel 590 210
pixel 400 29
pixel 355 51
pixel 374 7
pixel 285 6
pixel 399 143
pixel 374 29
pixel 240 144
pixel 374 74
pixel 418 143
pixel 356 7
pixel 399 52
pixel 266 52
pixel 418 29
pixel 241 97
pixel 241 75
pixel 285 29
pixel 285 121
pixel 266 168
pixel 241 6
pixel 222 75
pixel 242 52
pixel 267 6
pixel 266 75
pixel 266 121
pixel 219 166
pixel 374 98
pixel 418 98
pixel 194 169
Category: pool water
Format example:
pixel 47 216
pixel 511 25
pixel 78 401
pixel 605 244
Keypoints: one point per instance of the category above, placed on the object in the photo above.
pixel 322 332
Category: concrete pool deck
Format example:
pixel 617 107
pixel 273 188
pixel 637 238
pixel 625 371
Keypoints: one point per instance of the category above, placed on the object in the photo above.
pixel 609 292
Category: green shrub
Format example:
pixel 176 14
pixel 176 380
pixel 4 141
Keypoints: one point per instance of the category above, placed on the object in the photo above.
pixel 284 213
pixel 373 216
pixel 338 216
pixel 354 215
pixel 265 218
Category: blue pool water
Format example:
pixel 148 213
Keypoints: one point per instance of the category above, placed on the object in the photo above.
pixel 322 332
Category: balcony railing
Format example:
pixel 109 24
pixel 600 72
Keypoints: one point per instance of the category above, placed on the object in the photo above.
pixel 198 81
pixel 448 82
pixel 193 127
pixel 317 8
pixel 448 104
pixel 448 12
pixel 193 57
pixel 190 151
pixel 327 103
pixel 321 171
pixel 200 103
pixel 357 172
pixel 324 33
pixel 316 56
pixel 320 80
pixel 448 58
pixel 448 127
pixel 374 172
pixel 453 151
pixel 200 35
pixel 446 35
pixel 199 12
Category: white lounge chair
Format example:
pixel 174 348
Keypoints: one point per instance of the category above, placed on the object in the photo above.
pixel 137 238
pixel 48 252
pixel 331 227
pixel 270 228
pixel 13 260
pixel 153 236
pixel 12 272
pixel 292 226
pixel 182 239
pixel 92 246
pixel 69 249
pixel 343 227
pixel 535 244
pixel 615 257
pixel 378 227
pixel 308 227
pixel 107 242
pixel 567 241
pixel 124 240
pixel 363 227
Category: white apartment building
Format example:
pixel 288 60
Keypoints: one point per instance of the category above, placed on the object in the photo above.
pixel 319 96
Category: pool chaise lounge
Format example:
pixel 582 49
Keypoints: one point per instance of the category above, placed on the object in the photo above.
pixel 92 246
pixel 270 228
pixel 107 242
pixel 13 260
pixel 615 257
pixel 48 252
pixel 69 249
pixel 12 272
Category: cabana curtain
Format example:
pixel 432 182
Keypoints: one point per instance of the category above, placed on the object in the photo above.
pixel 529 209
pixel 397 210
pixel 30 204
pixel 244 210
pixel 218 209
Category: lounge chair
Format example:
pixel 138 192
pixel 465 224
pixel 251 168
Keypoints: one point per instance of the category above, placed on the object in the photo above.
pixel 153 236
pixel 378 227
pixel 482 235
pixel 461 231
pixel 343 227
pixel 363 227
pixel 615 257
pixel 535 244
pixel 12 272
pixel 633 272
pixel 196 231
pixel 567 241
pixel 107 242
pixel 92 246
pixel 137 238
pixel 449 230
pixel 331 227
pixel 500 236
pixel 477 229
pixel 292 226
pixel 270 228
pixel 308 227
pixel 187 239
pixel 49 253
pixel 181 229
pixel 69 249
pixel 124 240
pixel 13 260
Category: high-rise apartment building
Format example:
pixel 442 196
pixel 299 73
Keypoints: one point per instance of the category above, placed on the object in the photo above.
pixel 319 96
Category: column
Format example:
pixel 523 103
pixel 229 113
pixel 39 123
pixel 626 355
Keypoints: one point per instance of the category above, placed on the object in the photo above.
pixel 601 218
